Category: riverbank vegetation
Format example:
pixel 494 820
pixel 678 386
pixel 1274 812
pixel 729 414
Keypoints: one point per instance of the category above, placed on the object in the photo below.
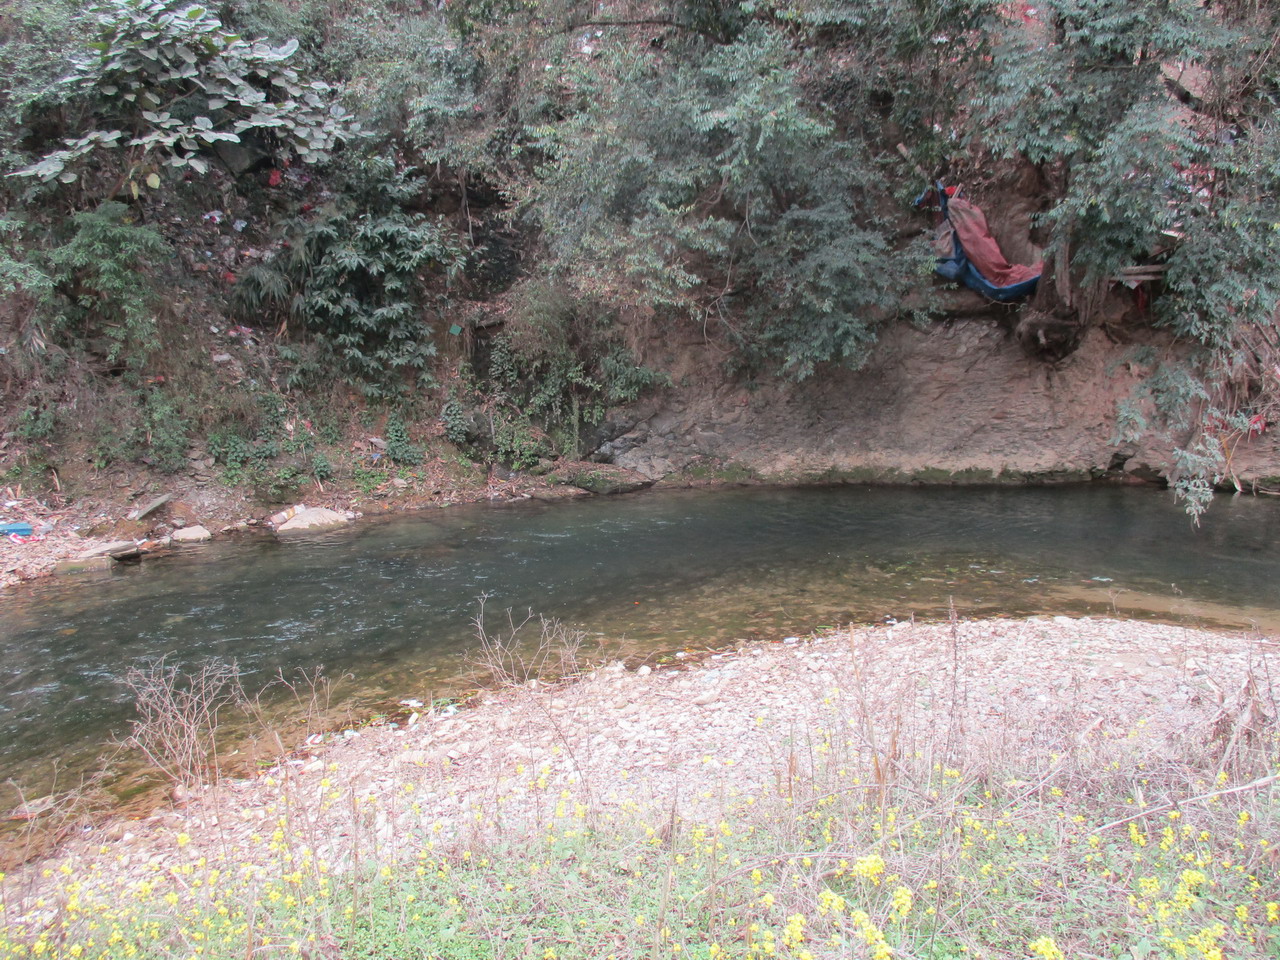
pixel 277 225
pixel 866 807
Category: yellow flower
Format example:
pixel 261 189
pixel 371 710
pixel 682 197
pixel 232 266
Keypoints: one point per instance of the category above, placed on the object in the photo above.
pixel 869 867
pixel 829 902
pixel 901 902
pixel 1046 948
pixel 1191 879
pixel 794 932
pixel 183 839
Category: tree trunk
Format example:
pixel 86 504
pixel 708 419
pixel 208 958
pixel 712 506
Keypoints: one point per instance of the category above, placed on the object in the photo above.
pixel 1050 326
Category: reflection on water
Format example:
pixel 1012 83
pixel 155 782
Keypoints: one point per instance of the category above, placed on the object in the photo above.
pixel 390 601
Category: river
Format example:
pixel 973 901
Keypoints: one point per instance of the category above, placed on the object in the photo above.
pixel 386 606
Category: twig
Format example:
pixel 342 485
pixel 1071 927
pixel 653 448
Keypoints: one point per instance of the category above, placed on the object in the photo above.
pixel 1252 785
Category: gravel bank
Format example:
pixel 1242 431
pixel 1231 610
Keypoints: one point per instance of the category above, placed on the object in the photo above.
pixel 1003 693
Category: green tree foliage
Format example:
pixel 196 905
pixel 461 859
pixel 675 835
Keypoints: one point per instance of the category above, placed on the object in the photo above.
pixel 162 81
pixel 1155 128
pixel 1083 91
pixel 34 38
pixel 18 274
pixel 352 279
pixel 703 185
pixel 107 302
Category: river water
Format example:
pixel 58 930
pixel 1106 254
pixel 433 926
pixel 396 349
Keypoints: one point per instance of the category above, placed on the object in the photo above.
pixel 388 605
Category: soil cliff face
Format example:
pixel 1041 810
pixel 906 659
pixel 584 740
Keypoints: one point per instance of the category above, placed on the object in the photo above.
pixel 951 402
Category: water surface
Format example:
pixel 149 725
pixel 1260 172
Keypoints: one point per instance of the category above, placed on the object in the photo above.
pixel 390 602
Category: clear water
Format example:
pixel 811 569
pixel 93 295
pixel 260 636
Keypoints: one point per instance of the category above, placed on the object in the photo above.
pixel 390 602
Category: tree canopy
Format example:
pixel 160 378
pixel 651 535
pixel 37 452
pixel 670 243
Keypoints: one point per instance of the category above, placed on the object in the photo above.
pixel 733 167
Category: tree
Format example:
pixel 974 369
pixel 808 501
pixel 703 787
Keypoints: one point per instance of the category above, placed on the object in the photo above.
pixel 160 81
pixel 1154 125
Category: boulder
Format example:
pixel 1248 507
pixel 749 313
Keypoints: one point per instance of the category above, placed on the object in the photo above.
pixel 313 518
pixel 193 534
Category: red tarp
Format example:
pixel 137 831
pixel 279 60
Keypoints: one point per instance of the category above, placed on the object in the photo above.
pixel 981 248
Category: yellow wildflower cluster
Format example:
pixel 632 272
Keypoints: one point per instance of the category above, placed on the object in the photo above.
pixel 1046 948
pixel 868 868
pixel 872 935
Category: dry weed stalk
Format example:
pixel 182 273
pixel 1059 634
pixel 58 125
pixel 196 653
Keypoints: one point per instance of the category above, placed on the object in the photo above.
pixel 1239 731
pixel 179 715
pixel 297 707
pixel 513 658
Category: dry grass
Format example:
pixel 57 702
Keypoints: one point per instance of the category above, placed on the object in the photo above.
pixel 535 648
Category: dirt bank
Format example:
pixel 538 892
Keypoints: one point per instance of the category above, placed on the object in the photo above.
pixel 958 401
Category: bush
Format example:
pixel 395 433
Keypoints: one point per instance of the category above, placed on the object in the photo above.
pixel 558 368
pixel 166 80
pixel 102 275
pixel 352 280
pixel 399 448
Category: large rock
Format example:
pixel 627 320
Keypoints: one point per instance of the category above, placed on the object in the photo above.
pixel 600 477
pixel 313 518
pixel 192 534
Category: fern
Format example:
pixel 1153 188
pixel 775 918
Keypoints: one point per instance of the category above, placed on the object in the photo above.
pixel 351 279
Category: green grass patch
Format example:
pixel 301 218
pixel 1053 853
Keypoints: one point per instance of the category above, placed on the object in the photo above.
pixel 950 864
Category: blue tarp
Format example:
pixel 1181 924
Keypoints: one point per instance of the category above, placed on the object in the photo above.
pixel 959 268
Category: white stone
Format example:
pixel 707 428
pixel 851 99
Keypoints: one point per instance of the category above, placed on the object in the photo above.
pixel 193 534
pixel 312 518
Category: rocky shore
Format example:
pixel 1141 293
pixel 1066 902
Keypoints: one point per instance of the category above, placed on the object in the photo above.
pixel 96 533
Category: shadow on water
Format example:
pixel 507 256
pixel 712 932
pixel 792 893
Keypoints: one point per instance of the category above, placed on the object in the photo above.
pixel 390 602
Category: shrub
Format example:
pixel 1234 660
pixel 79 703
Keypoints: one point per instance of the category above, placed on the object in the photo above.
pixel 352 280
pixel 101 273
pixel 559 366
pixel 399 448
pixel 166 80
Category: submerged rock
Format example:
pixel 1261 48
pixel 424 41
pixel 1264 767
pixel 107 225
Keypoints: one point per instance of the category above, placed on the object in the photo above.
pixel 83 564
